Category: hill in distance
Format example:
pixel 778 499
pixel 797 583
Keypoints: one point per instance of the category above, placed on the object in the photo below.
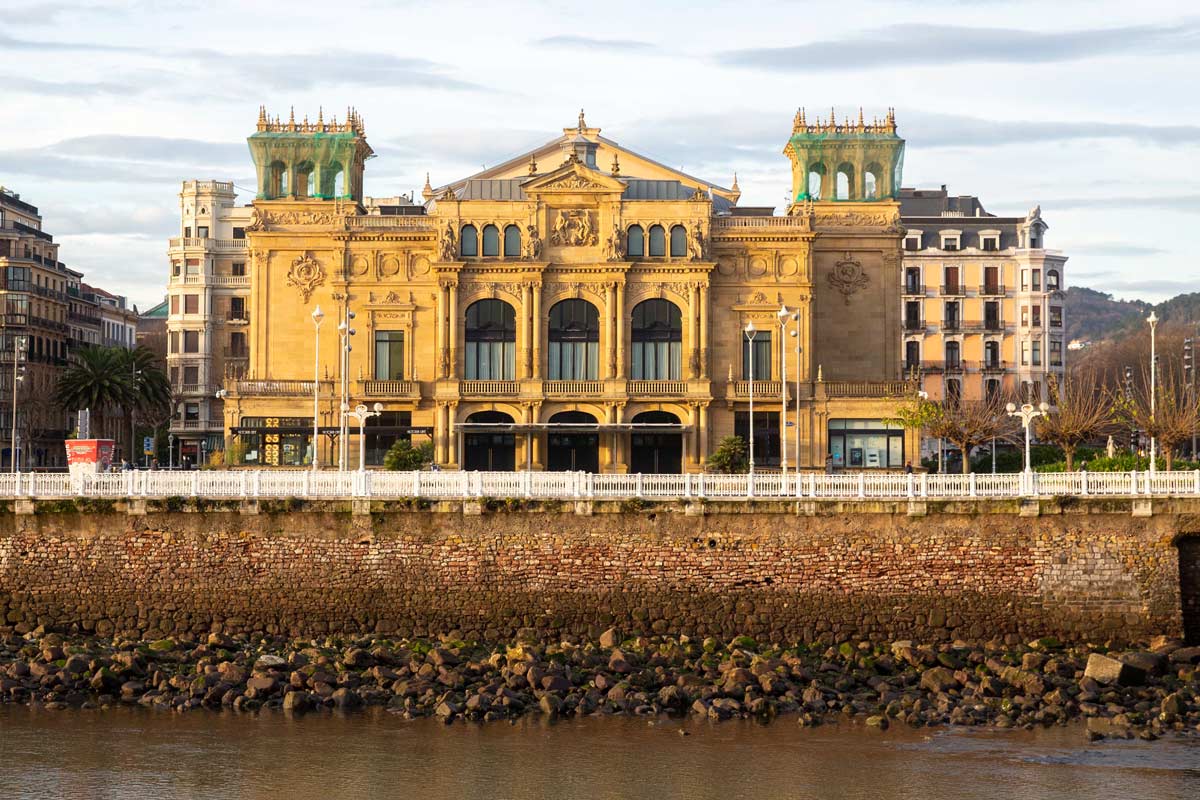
pixel 1094 316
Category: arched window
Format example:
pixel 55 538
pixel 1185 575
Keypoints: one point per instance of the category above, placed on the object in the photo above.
pixel 845 180
pixel 574 341
pixel 468 241
pixel 678 241
pixel 491 448
pixel 953 355
pixel 1051 280
pixel 658 241
pixel 816 175
pixel 636 242
pixel 277 180
pixel 512 242
pixel 657 333
pixel 339 183
pixel 491 341
pixel 991 355
pixel 332 180
pixel 304 180
pixel 871 187
pixel 491 240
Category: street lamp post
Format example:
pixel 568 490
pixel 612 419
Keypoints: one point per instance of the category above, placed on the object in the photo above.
pixel 170 451
pixel 221 395
pixel 362 414
pixel 784 314
pixel 19 345
pixel 1153 320
pixel 750 333
pixel 318 316
pixel 344 423
pixel 1027 413
pixel 799 350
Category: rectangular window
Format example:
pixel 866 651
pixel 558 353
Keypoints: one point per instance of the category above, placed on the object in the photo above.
pixel 1024 316
pixel 766 435
pixel 991 243
pixel 912 281
pixel 912 243
pixel 656 361
pixel 950 243
pixel 991 280
pixel 237 308
pixel 191 304
pixel 912 356
pixel 174 373
pixel 991 315
pixel 174 304
pixel 239 269
pixel 1024 280
pixel 912 315
pixel 1037 316
pixel 1056 353
pixel 191 411
pixel 573 360
pixel 1037 280
pixel 202 232
pixel 865 444
pixel 191 341
pixel 950 280
pixel 239 233
pixel 758 353
pixel 389 355
pixel 192 267
pixel 490 361
pixel 1037 353
pixel 1025 354
pixel 187 231
pixel 237 344
pixel 174 342
pixel 951 319
pixel 1055 316
pixel 176 269
pixel 191 375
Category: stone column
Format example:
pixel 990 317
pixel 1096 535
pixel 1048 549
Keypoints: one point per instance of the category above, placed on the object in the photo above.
pixel 452 324
pixel 703 331
pixel 443 343
pixel 526 326
pixel 703 435
pixel 610 344
pixel 693 333
pixel 620 337
pixel 536 328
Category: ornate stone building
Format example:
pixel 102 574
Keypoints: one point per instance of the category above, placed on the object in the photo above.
pixel 579 306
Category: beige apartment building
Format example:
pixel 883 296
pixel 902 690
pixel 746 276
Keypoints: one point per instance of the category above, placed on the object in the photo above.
pixel 207 320
pixel 982 299
pixel 578 306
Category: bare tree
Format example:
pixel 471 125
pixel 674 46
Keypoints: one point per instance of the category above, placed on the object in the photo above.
pixel 1083 411
pixel 1173 416
pixel 970 423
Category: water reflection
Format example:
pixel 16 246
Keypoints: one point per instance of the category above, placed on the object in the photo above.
pixel 133 753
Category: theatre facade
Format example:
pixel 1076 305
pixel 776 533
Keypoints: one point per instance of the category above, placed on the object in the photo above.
pixel 577 307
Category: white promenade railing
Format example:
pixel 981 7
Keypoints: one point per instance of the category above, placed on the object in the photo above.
pixel 278 484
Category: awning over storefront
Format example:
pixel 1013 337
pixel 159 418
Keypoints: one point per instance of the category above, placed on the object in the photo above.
pixel 332 430
pixel 570 427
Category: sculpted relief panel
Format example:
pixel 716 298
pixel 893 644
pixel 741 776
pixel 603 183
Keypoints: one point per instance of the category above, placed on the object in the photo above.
pixel 575 227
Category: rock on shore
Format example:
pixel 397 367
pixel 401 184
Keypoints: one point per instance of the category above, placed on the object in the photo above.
pixel 1145 692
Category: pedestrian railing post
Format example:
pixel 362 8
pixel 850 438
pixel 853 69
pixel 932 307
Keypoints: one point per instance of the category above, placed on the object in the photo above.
pixel 1133 486
pixel 749 484
pixel 924 484
pixel 701 492
pixel 910 482
pixel 1083 486
pixel 256 483
pixel 971 484
pixel 687 486
pixel 639 485
pixel 417 483
pixel 1196 481
pixel 528 483
pixel 862 485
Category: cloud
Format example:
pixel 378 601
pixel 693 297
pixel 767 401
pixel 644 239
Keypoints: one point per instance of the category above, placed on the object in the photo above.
pixel 916 44
pixel 1112 249
pixel 1157 286
pixel 589 43
pixel 41 46
pixel 126 159
pixel 157 222
pixel 930 129
pixel 68 89
pixel 1185 204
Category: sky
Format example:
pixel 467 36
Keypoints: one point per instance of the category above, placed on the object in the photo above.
pixel 1086 107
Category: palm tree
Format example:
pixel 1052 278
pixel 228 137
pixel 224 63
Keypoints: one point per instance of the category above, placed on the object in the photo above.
pixel 99 379
pixel 151 388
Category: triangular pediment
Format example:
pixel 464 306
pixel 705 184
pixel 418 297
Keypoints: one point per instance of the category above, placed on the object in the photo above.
pixel 573 177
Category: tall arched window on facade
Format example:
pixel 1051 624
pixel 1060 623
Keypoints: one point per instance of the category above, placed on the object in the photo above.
pixel 1052 280
pixel 636 242
pixel 491 341
pixel 845 182
pixel 468 242
pixel 491 241
pixel 574 341
pixel 678 241
pixel 278 180
pixel 658 241
pixel 816 173
pixel 657 333
pixel 512 242
pixel 953 355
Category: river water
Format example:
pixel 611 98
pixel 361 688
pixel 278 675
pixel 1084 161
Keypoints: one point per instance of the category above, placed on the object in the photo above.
pixel 136 753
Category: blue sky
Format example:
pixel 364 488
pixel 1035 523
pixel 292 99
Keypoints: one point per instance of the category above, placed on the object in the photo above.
pixel 1086 107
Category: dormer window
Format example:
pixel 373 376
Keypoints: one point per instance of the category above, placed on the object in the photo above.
pixel 989 241
pixel 951 240
pixel 912 241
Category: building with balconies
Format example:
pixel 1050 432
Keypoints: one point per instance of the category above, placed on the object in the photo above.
pixel 579 306
pixel 207 297
pixel 982 299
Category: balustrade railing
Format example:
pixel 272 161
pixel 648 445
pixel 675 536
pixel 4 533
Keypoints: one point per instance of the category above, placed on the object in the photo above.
pixel 573 388
pixel 656 388
pixel 248 484
pixel 489 388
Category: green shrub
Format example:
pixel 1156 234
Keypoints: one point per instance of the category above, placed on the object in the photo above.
pixel 404 457
pixel 730 456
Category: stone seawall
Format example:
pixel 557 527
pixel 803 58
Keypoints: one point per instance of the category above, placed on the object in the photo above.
pixel 836 571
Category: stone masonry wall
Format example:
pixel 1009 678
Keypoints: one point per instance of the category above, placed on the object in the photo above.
pixel 1088 571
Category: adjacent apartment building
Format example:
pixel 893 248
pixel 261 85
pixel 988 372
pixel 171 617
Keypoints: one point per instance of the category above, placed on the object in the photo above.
pixel 578 306
pixel 982 299
pixel 48 313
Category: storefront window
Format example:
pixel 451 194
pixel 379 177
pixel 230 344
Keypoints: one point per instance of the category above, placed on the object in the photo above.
pixel 766 435
pixel 865 444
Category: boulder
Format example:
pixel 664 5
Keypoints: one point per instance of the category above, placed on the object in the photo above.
pixel 550 704
pixel 610 638
pixel 269 661
pixel 939 679
pixel 297 701
pixel 357 658
pixel 1186 655
pixel 1111 672
pixel 556 683
pixel 1149 662
pixel 346 699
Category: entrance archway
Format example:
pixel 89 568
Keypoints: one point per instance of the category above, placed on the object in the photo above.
pixel 572 451
pixel 488 451
pixel 655 451
pixel 1189 587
